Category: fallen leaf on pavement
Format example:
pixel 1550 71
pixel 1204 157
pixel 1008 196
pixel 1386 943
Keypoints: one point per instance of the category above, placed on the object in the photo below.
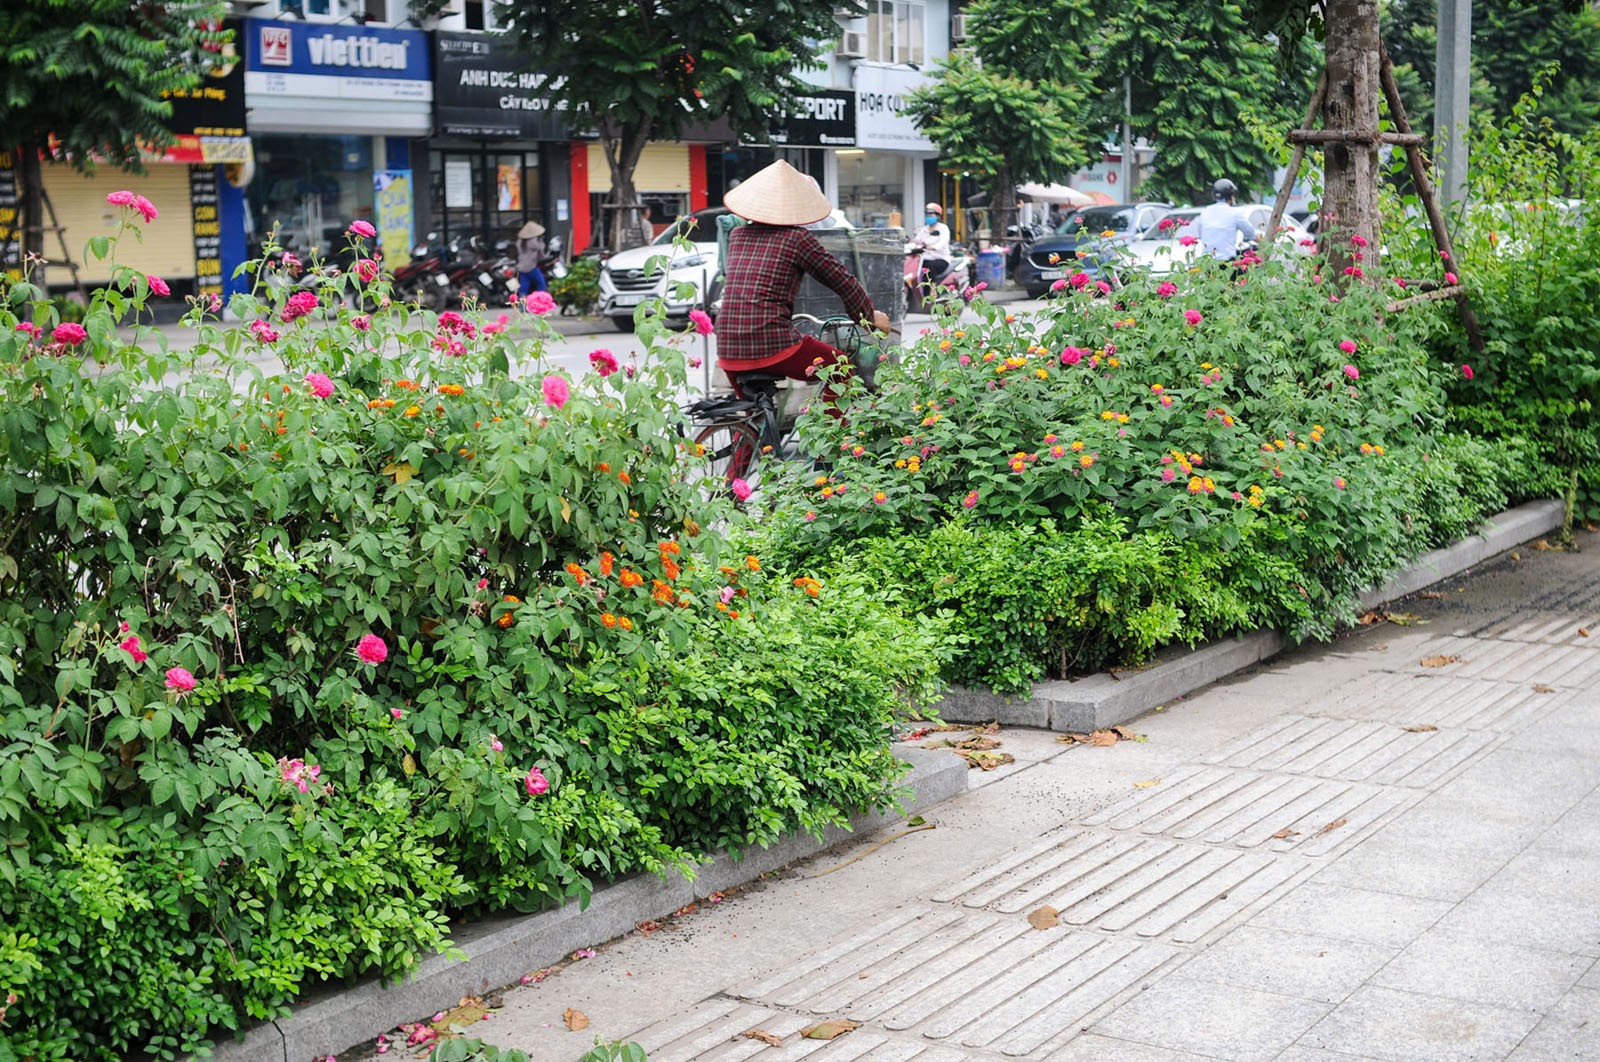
pixel 1440 661
pixel 1285 833
pixel 1330 827
pixel 978 744
pixel 576 1020
pixel 1370 618
pixel 1539 687
pixel 830 1030
pixel 1583 632
pixel 770 1039
pixel 1432 595
pixel 1420 728
pixel 1405 619
pixel 986 761
pixel 1147 784
pixel 1044 918
pixel 1102 738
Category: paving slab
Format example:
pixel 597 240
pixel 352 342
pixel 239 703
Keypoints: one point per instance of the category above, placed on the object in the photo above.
pixel 1385 1023
pixel 1220 1021
pixel 1344 913
pixel 1570 1031
pixel 1325 969
pixel 1462 965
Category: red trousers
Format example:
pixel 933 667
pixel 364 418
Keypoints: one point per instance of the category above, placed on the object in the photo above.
pixel 799 362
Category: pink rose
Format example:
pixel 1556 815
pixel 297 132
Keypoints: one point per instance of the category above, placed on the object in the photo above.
pixel 1352 372
pixel 539 303
pixel 1058 285
pixel 367 270
pixel 554 388
pixel 604 362
pixel 1188 241
pixel 1078 280
pixel 180 679
pixel 122 198
pixel 263 331
pixel 702 322
pixel 740 489
pixel 69 334
pixel 146 208
pixel 1194 317
pixel 395 713
pixel 535 782
pixel 158 286
pixel 362 229
pixel 1167 289
pixel 372 649
pixel 1466 370
pixel 31 330
pixel 130 645
pixel 1347 345
pixel 361 323
pixel 1071 356
pixel 299 304
pixel 321 386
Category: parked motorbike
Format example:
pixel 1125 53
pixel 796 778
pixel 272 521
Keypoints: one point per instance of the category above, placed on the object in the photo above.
pixel 924 289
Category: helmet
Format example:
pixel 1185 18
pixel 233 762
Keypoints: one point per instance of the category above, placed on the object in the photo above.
pixel 934 208
pixel 1224 189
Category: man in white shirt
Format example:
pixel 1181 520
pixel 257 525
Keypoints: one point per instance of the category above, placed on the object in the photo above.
pixel 934 239
pixel 1219 226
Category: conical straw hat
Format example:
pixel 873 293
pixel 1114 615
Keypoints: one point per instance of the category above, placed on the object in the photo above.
pixel 530 230
pixel 779 195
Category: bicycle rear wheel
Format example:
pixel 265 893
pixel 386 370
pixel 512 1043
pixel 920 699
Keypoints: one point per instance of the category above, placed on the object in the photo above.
pixel 731 447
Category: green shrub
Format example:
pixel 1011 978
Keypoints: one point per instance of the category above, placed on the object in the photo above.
pixel 578 291
pixel 1529 254
pixel 418 627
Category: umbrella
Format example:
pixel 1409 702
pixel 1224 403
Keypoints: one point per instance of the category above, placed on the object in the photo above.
pixel 1055 193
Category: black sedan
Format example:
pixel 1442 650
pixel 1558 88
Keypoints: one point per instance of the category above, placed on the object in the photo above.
pixel 1090 231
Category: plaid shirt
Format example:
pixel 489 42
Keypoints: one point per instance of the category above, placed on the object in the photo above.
pixel 763 270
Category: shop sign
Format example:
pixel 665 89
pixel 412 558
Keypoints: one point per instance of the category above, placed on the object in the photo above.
pixel 335 62
pixel 483 88
pixel 10 236
pixel 215 107
pixel 820 118
pixel 391 193
pixel 881 92
pixel 207 230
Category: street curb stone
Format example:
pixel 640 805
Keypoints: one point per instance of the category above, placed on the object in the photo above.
pixel 1104 699
pixel 500 950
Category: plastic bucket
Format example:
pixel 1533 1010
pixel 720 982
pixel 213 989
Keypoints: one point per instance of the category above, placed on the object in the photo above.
pixel 991 268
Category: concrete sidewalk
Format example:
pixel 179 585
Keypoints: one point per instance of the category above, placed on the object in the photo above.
pixel 1380 848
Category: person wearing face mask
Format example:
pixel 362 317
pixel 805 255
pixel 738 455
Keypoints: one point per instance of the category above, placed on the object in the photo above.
pixel 934 239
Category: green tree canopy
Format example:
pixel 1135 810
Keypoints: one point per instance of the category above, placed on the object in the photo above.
pixel 1014 107
pixel 641 72
pixel 85 81
pixel 1205 84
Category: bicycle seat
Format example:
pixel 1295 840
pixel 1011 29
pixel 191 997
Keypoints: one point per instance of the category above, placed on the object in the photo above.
pixel 759 381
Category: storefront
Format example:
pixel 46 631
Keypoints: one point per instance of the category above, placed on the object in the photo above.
pixel 333 113
pixel 500 156
pixel 198 239
pixel 881 179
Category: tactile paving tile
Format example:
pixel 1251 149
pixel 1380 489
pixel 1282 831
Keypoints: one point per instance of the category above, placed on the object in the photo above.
pixel 1249 809
pixel 1148 888
pixel 714 1031
pixel 1441 699
pixel 1508 661
pixel 1546 628
pixel 1355 750
pixel 980 980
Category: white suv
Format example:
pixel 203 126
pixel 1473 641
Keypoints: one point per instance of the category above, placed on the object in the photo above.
pixel 628 277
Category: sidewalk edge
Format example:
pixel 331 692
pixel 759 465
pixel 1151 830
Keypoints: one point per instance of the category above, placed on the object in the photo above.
pixel 498 951
pixel 1106 699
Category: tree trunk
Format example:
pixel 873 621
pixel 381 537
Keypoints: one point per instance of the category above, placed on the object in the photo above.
pixel 630 225
pixel 1002 213
pixel 30 204
pixel 1349 222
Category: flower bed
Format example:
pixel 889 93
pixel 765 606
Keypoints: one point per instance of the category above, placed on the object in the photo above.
pixel 294 667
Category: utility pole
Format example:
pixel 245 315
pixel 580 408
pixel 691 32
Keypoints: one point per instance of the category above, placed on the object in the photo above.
pixel 1452 92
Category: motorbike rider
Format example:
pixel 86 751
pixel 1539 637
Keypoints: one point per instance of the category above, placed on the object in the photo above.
pixel 767 260
pixel 530 248
pixel 1219 226
pixel 934 239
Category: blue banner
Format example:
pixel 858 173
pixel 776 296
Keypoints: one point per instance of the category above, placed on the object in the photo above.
pixel 320 49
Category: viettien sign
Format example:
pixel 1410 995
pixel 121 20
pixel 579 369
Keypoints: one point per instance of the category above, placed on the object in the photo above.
pixel 484 87
pixel 341 62
pixel 821 118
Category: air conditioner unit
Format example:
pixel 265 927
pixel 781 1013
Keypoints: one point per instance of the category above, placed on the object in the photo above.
pixel 842 12
pixel 852 45
pixel 958 28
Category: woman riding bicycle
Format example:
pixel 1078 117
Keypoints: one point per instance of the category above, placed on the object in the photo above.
pixel 766 262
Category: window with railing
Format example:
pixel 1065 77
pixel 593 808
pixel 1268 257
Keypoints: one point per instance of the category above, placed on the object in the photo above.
pixel 895 31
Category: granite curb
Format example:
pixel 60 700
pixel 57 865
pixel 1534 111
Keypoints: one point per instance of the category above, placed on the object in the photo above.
pixel 1106 699
pixel 500 950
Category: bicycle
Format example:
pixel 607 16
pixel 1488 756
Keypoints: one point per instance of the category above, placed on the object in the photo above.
pixel 736 433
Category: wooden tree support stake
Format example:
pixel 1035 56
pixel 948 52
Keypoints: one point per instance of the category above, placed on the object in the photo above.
pixel 1297 156
pixel 1347 136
